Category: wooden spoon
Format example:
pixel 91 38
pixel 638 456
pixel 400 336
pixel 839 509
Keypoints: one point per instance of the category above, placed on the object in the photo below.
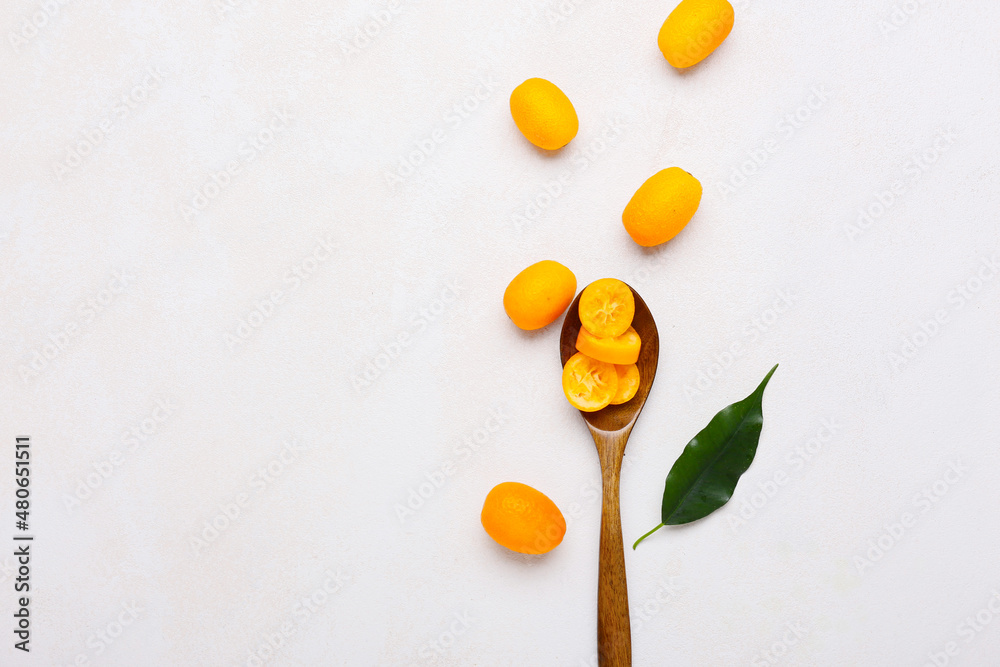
pixel 610 428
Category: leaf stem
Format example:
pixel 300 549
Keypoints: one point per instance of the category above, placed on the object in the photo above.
pixel 645 536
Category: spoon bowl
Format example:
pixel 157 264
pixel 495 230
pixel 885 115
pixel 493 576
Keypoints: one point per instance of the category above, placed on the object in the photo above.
pixel 616 417
pixel 610 428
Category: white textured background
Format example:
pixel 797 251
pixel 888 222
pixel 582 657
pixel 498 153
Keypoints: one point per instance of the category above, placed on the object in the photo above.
pixel 428 255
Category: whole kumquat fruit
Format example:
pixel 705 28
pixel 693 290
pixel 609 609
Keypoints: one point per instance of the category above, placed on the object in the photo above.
pixel 539 294
pixel 523 519
pixel 694 29
pixel 662 206
pixel 544 114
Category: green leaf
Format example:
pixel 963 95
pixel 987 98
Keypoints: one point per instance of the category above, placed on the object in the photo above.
pixel 705 475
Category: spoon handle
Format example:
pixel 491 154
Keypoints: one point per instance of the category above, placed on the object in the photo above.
pixel 614 634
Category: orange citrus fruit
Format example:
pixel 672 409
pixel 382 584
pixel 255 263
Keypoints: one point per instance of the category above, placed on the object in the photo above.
pixel 522 519
pixel 622 349
pixel 589 384
pixel 662 206
pixel 607 308
pixel 694 29
pixel 628 383
pixel 544 114
pixel 539 294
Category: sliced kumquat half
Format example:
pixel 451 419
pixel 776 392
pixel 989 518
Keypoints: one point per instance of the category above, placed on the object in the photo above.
pixel 589 384
pixel 607 308
pixel 622 349
pixel 628 383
